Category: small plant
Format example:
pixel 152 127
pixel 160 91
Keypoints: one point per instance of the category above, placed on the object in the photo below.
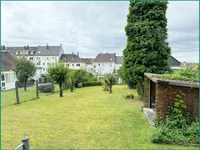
pixel 129 96
pixel 80 85
pixel 110 81
pixel 105 86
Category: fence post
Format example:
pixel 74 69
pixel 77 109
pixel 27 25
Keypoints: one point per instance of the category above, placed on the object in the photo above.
pixel 25 142
pixel 16 90
pixel 52 88
pixel 37 93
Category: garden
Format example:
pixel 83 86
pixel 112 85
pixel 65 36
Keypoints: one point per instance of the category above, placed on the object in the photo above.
pixel 80 119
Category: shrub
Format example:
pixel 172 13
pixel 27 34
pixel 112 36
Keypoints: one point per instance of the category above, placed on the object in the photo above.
pixel 175 127
pixel 91 83
pixel 129 96
pixel 46 88
pixel 105 86
pixel 80 85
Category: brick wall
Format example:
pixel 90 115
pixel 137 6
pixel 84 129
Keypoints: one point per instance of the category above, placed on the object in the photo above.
pixel 165 94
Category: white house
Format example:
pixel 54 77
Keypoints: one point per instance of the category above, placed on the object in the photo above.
pixel 41 56
pixel 8 74
pixel 104 64
pixel 46 56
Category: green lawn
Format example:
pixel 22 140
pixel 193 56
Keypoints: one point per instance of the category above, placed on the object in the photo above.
pixel 9 97
pixel 86 118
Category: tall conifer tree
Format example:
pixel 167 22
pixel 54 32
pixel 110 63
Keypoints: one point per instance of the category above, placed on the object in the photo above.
pixel 147 49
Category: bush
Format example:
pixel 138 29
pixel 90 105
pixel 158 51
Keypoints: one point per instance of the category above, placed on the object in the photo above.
pixel 105 86
pixel 91 83
pixel 129 96
pixel 176 127
pixel 46 88
pixel 80 85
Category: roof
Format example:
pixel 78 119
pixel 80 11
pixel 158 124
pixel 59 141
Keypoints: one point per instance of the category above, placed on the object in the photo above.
pixel 88 60
pixel 16 49
pixel 51 51
pixel 183 83
pixel 118 60
pixel 106 57
pixel 71 58
pixel 174 62
pixel 7 61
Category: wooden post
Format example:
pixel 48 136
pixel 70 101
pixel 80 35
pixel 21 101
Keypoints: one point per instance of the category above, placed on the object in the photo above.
pixel 25 142
pixel 52 88
pixel 17 93
pixel 37 93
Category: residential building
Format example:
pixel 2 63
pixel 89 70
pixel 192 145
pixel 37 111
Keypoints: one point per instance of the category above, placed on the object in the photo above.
pixel 175 64
pixel 104 64
pixel 41 56
pixel 118 62
pixel 8 74
pixel 45 57
pixel 73 61
pixel 89 64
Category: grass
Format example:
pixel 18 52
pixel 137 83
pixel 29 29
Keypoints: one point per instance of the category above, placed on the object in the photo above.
pixel 9 97
pixel 86 118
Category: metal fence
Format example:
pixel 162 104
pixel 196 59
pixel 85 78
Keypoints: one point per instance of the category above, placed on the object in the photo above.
pixel 24 144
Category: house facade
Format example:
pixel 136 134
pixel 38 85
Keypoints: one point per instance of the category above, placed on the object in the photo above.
pixel 88 64
pixel 104 63
pixel 73 61
pixel 8 74
pixel 41 56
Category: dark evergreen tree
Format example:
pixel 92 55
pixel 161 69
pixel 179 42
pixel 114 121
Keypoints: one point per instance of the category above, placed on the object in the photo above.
pixel 147 49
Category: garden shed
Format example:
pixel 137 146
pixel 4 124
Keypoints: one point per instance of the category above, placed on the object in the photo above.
pixel 160 92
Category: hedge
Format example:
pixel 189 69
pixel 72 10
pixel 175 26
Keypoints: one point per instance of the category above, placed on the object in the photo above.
pixel 92 83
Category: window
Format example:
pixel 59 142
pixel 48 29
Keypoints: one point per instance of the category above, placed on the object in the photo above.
pixel 78 65
pixel 3 84
pixel 2 77
pixel 110 65
pixel 47 58
pixel 73 65
pixel 94 66
pixel 43 69
pixel 52 57
pixel 99 64
pixel 43 64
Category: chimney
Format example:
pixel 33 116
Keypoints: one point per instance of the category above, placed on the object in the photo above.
pixel 47 46
pixel 78 54
pixel 60 45
pixel 27 47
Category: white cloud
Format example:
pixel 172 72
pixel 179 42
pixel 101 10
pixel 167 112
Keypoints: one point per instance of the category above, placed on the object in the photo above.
pixel 92 27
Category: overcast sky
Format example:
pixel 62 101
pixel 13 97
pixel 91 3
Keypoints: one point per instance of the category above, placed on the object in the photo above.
pixel 93 27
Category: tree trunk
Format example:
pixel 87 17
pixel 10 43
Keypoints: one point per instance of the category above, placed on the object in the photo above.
pixel 72 88
pixel 61 92
pixel 110 89
pixel 25 85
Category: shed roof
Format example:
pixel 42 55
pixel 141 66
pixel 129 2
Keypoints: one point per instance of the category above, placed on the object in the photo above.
pixel 161 80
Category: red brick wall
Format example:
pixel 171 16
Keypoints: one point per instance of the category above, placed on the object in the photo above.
pixel 165 94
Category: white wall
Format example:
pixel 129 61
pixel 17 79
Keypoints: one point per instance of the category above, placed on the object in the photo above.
pixel 9 80
pixel 75 66
pixel 103 68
